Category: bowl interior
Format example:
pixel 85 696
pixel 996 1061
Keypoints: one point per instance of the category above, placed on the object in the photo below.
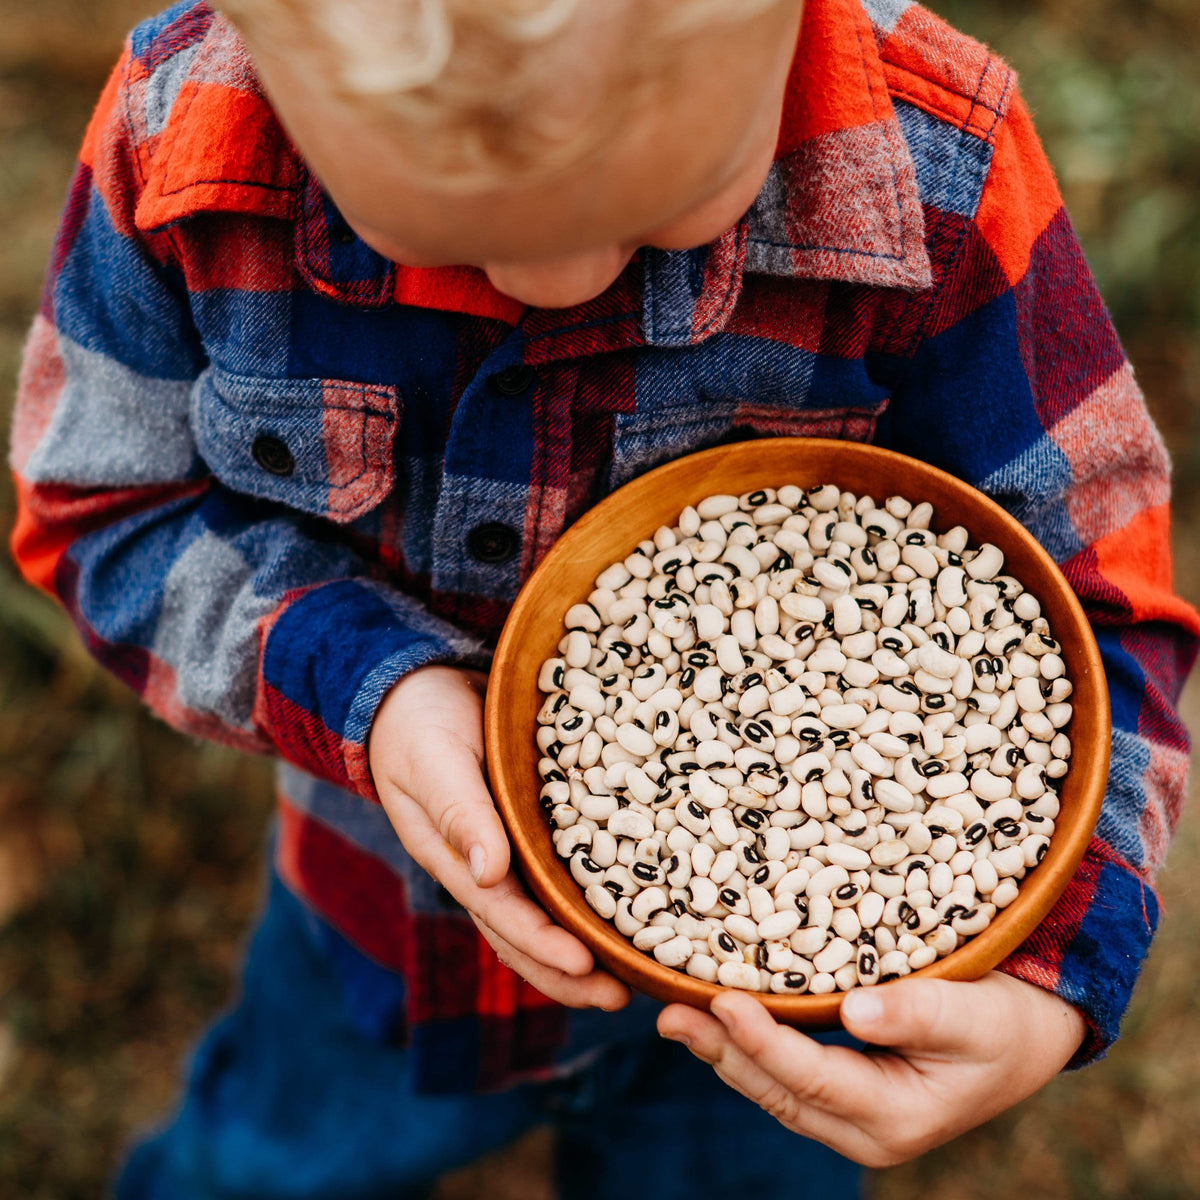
pixel 611 529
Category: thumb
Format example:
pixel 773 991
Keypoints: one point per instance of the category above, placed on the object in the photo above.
pixel 931 1015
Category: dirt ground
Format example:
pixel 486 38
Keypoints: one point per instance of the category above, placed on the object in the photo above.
pixel 130 858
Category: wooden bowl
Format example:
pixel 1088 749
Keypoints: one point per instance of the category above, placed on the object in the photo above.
pixel 609 532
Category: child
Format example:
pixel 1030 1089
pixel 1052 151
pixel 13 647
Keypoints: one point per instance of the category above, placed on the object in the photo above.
pixel 301 411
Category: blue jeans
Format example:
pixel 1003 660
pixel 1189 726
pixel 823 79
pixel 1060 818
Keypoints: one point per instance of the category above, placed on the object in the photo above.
pixel 287 1098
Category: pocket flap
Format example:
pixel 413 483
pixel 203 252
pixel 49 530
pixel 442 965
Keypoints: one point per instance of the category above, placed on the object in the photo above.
pixel 323 446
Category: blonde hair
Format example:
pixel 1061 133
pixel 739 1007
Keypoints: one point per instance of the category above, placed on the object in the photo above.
pixel 466 85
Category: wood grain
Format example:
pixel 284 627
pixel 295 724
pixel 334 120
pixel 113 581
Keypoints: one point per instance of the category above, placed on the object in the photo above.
pixel 609 532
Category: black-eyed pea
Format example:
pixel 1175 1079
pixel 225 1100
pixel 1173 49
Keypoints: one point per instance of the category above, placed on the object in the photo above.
pixel 836 954
pixel 703 896
pixel 888 854
pixel 674 952
pixel 943 940
pixel 650 936
pixel 761 901
pixel 918 837
pixel 1034 849
pixel 1009 861
pixel 778 926
pixel 624 920
pixel 941 880
pixel 648 902
pixel 820 911
pixel 928 919
pixel 690 926
pixel 887 883
pixel 702 967
pixel 741 975
pixel 601 900
pixel 924 956
pixel 867 966
pixel 846 895
pixel 893 965
pixel 846 923
pixel 943 848
pixel 742 928
pixel 603 850
pixel 808 940
pixel 846 977
pixel 702 858
pixel 629 823
pixel 790 983
pixel 970 923
pixel 648 874
pixel 724 947
pixel 1046 806
pixel 826 880
pixel 769 874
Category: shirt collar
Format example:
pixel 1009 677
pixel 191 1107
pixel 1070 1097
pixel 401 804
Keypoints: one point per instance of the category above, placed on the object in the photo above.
pixel 840 201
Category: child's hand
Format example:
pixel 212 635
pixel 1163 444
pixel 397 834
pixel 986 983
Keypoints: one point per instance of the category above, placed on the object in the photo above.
pixel 959 1054
pixel 426 756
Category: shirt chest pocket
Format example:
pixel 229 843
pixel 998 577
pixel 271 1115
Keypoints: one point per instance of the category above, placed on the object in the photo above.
pixel 322 446
pixel 735 388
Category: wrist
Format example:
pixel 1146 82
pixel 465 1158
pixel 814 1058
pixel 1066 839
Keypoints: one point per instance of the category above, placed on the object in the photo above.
pixel 1058 1026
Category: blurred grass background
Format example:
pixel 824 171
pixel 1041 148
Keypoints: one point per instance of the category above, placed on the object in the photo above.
pixel 130 858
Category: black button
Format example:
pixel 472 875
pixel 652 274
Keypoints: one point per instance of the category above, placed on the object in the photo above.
pixel 273 455
pixel 515 380
pixel 492 543
pixel 344 237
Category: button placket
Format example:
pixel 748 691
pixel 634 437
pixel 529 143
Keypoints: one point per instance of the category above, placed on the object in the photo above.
pixel 480 518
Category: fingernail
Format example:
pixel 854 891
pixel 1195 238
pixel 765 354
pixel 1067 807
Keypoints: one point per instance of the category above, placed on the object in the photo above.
pixel 681 1038
pixel 864 1008
pixel 477 860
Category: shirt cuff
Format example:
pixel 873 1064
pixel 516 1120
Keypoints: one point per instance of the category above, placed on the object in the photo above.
pixel 329 657
pixel 1090 947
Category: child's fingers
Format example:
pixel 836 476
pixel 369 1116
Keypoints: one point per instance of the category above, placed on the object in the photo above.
pixel 512 915
pixel 597 989
pixel 832 1079
pixel 962 1053
pixel 710 1041
pixel 744 1044
pixel 504 907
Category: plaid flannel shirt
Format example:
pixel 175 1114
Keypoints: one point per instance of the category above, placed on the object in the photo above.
pixel 268 472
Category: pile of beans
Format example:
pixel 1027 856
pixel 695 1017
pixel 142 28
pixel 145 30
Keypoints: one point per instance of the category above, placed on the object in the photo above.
pixel 800 743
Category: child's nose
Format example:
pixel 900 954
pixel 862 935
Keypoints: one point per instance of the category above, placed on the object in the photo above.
pixel 559 282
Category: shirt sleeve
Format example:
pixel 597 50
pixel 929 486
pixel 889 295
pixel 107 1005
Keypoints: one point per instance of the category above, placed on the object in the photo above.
pixel 234 618
pixel 1020 387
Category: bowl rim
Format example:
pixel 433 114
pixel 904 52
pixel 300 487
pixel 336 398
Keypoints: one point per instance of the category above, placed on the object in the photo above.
pixel 563 901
